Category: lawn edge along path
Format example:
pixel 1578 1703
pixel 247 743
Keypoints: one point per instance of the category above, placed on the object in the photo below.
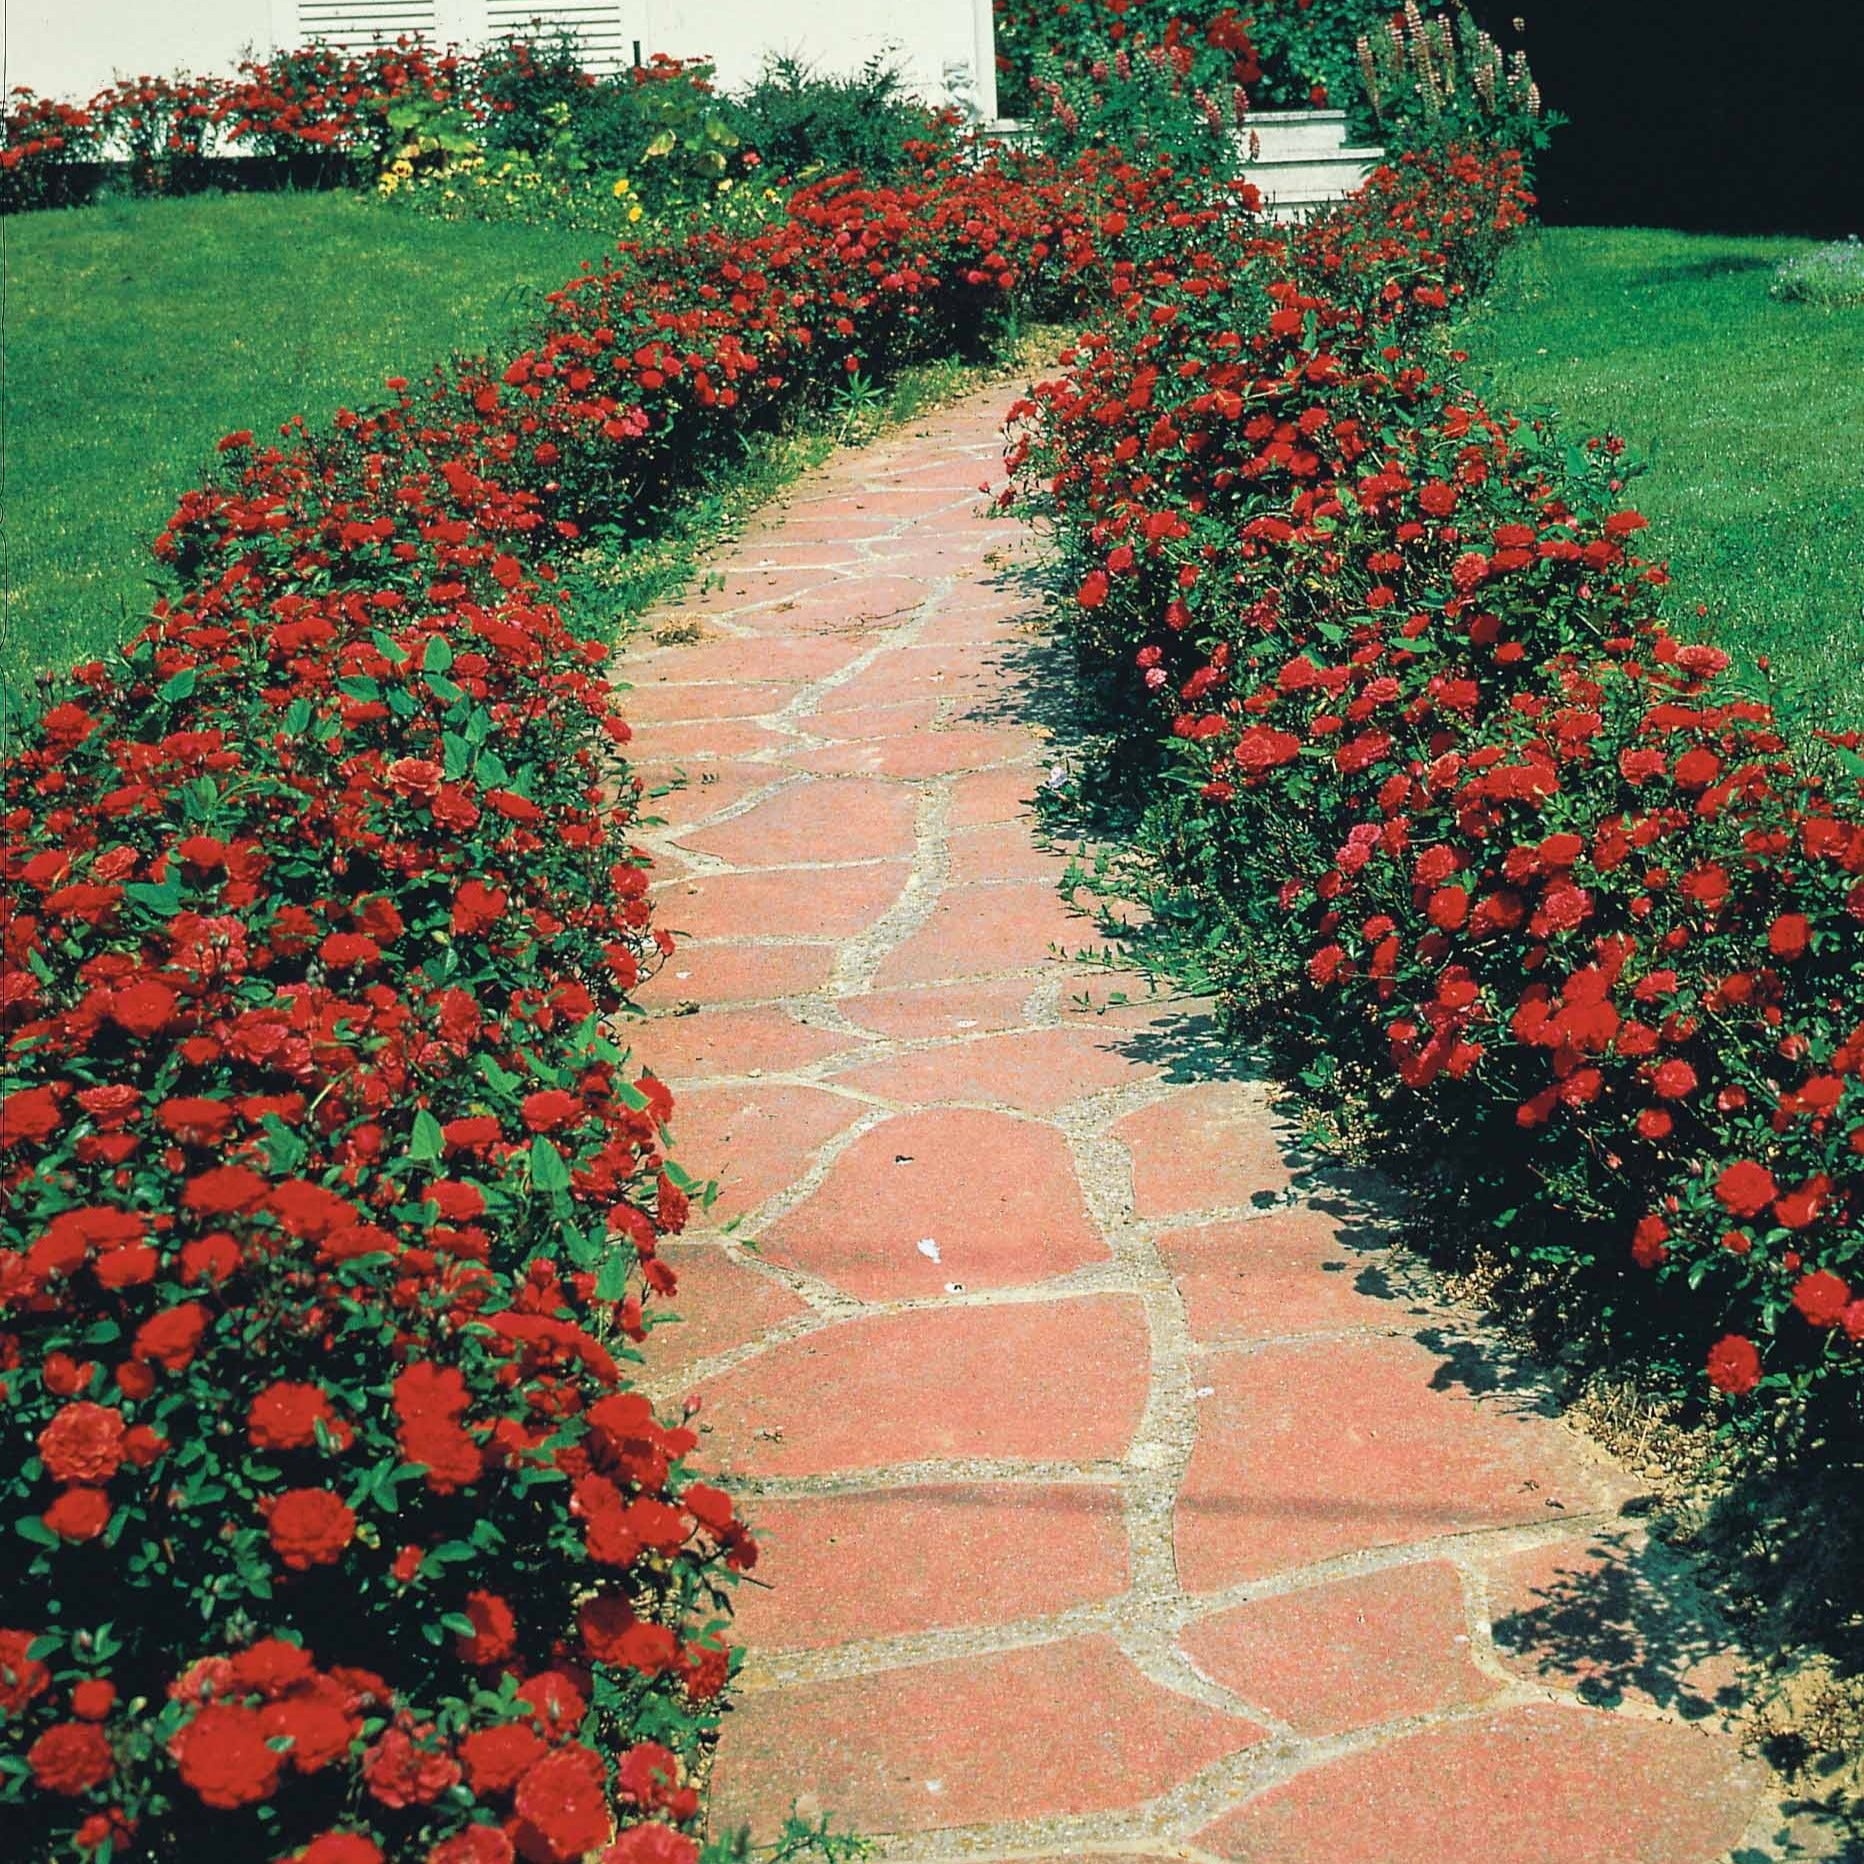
pixel 1121 1492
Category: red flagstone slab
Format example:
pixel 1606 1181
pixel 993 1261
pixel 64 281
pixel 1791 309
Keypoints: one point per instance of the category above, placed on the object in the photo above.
pixel 995 796
pixel 1002 851
pixel 1283 1272
pixel 1056 1381
pixel 976 931
pixel 719 1304
pixel 847 819
pixel 742 588
pixel 736 972
pixel 761 657
pixel 969 1007
pixel 795 902
pixel 841 604
pixel 1609 1616
pixel 894 1562
pixel 927 1200
pixel 1536 1785
pixel 1349 1655
pixel 801 556
pixel 1033 1070
pixel 702 789
pixel 918 755
pixel 737 1042
pixel 1311 1451
pixel 1058 1730
pixel 758 1139
pixel 892 507
pixel 863 724
pixel 1209 1146
pixel 724 699
pixel 693 742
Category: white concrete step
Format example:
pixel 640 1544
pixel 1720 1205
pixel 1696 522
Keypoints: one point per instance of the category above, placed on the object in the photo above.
pixel 1291 135
pixel 1318 178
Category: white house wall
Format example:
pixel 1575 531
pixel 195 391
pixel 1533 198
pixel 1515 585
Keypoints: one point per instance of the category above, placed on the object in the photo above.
pixel 72 48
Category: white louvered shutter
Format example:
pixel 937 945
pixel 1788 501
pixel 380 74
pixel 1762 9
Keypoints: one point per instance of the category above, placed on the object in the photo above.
pixel 598 25
pixel 363 22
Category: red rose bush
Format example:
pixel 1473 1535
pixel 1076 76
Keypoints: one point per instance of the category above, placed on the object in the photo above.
pixel 1547 903
pixel 331 1199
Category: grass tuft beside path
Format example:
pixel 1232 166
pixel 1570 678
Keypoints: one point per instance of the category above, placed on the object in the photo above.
pixel 137 333
pixel 1749 411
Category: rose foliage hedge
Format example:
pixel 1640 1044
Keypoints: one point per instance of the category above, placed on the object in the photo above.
pixel 1539 899
pixel 330 1199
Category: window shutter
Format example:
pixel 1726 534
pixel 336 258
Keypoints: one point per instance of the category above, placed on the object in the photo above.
pixel 367 22
pixel 597 24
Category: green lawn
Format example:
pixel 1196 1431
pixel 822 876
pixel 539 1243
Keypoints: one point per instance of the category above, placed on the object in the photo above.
pixel 137 333
pixel 1749 412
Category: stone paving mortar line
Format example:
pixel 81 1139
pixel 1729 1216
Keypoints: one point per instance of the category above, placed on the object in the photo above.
pixel 1145 1619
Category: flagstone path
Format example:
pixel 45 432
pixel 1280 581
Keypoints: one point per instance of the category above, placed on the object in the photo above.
pixel 1120 1494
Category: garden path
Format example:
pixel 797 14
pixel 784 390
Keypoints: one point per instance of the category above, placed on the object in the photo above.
pixel 1120 1494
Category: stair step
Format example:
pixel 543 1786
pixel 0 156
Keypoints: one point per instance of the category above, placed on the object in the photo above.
pixel 1319 179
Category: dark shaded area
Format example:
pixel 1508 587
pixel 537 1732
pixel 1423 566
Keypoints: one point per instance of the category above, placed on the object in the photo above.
pixel 1698 114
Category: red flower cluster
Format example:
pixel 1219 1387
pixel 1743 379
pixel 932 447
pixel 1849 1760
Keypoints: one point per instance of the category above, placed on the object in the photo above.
pixel 316 114
pixel 329 1203
pixel 1470 834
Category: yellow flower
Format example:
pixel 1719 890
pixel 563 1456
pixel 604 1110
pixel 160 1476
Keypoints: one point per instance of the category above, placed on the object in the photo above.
pixel 621 187
pixel 634 213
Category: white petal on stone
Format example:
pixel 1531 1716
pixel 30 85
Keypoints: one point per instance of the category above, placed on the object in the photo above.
pixel 928 1248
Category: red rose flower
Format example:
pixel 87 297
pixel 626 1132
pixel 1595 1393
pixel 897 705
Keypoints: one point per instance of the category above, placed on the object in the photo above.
pixel 476 1844
pixel 1789 935
pixel 402 1770
pixel 1746 1188
pixel 340 1848
pixel 497 1758
pixel 309 1527
pixel 286 1414
pixel 23 1678
pixel 495 1630
pixel 562 1806
pixel 78 1514
pixel 83 1443
pixel 226 1756
pixel 1734 1365
pixel 1822 1298
pixel 71 1758
pixel 652 1843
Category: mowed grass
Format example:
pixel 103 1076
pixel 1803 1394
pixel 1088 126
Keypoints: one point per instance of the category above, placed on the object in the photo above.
pixel 137 333
pixel 1749 412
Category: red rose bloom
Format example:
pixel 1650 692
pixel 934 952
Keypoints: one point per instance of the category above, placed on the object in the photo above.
pixel 93 1699
pixel 562 1805
pixel 30 1117
pixel 495 1630
pixel 316 1725
pixel 1789 935
pixel 498 1758
pixel 286 1414
pixel 401 1771
pixel 79 1514
pixel 71 1758
pixel 145 1009
pixel 1734 1365
pixel 1822 1298
pixel 23 1678
pixel 652 1843
pixel 83 1443
pixel 1746 1188
pixel 340 1848
pixel 225 1755
pixel 310 1527
pixel 477 1844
